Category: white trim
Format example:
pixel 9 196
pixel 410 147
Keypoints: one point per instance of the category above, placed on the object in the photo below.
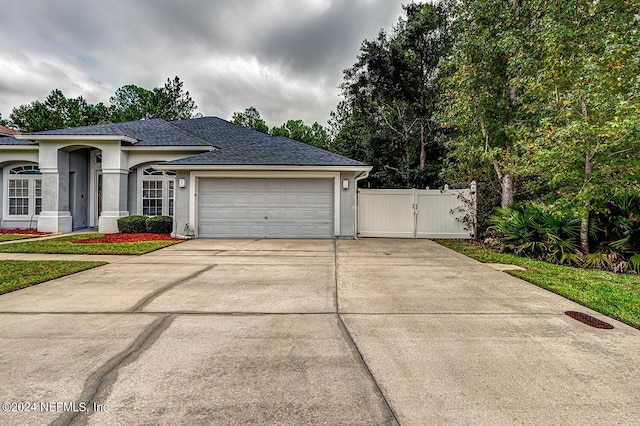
pixel 77 138
pixel 19 147
pixel 31 192
pixel 195 176
pixel 95 169
pixel 179 148
pixel 203 168
pixel 141 177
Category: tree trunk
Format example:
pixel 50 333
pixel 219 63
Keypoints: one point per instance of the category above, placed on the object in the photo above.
pixel 584 232
pixel 588 169
pixel 506 183
pixel 423 143
pixel 505 178
pixel 584 224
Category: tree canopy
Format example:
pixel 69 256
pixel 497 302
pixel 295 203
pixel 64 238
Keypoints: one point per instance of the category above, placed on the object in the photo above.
pixel 250 118
pixel 390 94
pixel 547 95
pixel 130 102
pixel 315 135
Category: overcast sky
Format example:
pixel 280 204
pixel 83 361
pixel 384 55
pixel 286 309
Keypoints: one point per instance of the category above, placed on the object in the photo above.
pixel 285 57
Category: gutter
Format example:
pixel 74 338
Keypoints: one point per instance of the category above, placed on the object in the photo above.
pixel 261 167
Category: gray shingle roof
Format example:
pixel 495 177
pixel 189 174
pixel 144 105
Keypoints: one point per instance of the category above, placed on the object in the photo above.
pixel 239 145
pixel 153 132
pixel 7 140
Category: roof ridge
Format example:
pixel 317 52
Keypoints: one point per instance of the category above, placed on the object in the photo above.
pixel 172 124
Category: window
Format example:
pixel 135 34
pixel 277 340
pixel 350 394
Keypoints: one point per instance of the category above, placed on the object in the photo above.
pixel 171 183
pixel 152 197
pixel 157 193
pixel 24 191
pixel 18 196
pixel 38 196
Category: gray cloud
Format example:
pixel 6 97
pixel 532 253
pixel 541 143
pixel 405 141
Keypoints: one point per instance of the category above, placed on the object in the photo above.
pixel 283 57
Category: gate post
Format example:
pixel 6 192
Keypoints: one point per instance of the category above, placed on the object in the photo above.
pixel 414 206
pixel 474 206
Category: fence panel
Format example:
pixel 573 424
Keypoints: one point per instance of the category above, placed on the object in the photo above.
pixel 416 213
pixel 440 214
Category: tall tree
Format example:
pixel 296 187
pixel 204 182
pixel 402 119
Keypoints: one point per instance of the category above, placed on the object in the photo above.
pixel 129 103
pixel 57 112
pixel 482 97
pixel 549 90
pixel 315 135
pixel 250 118
pixel 170 102
pixel 390 96
pixel 586 93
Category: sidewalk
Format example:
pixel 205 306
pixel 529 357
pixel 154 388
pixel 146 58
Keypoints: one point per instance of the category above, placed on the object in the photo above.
pixel 81 257
pixel 49 236
pixel 42 256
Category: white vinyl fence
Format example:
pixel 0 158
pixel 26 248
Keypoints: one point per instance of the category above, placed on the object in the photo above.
pixel 417 213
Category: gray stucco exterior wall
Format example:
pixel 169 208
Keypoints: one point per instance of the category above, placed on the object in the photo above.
pixel 132 199
pixel 181 225
pixel 1 196
pixel 347 207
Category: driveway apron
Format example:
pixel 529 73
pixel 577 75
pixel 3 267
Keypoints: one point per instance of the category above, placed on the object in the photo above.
pixel 373 331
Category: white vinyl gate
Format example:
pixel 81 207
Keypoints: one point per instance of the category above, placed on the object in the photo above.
pixel 416 213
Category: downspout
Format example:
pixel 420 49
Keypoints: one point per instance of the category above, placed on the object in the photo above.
pixel 361 176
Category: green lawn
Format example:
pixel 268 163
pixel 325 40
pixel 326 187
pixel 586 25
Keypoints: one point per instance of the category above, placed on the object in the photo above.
pixel 64 245
pixel 17 274
pixel 615 295
pixel 13 237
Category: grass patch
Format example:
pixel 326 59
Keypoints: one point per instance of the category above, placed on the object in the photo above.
pixel 13 237
pixel 17 274
pixel 614 295
pixel 64 245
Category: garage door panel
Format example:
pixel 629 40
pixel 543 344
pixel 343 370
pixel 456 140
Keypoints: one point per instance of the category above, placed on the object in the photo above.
pixel 294 208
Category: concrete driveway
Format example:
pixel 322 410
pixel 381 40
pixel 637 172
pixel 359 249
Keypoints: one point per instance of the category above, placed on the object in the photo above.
pixel 308 332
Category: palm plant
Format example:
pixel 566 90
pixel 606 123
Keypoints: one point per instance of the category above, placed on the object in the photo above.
pixel 532 230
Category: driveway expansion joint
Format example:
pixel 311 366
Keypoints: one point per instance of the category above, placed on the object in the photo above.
pixel 361 360
pixel 354 346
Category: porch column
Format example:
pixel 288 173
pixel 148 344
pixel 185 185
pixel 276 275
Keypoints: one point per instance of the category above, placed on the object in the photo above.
pixel 54 166
pixel 115 179
pixel 114 199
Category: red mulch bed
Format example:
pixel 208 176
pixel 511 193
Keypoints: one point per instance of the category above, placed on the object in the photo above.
pixel 126 238
pixel 23 232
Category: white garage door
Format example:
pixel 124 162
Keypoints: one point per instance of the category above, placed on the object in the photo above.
pixel 265 208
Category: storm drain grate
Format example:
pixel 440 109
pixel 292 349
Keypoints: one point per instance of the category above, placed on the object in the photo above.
pixel 589 320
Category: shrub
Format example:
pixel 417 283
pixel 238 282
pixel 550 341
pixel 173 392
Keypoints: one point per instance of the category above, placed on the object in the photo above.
pixel 132 224
pixel 159 224
pixel 618 224
pixel 534 231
